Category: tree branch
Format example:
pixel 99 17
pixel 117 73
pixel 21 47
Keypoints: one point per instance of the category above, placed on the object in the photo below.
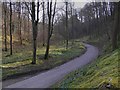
pixel 28 8
pixel 53 18
pixel 37 11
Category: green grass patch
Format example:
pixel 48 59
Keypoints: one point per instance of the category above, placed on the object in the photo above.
pixel 20 61
pixel 95 75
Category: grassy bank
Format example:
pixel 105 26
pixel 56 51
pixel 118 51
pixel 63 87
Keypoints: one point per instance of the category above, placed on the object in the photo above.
pixel 101 74
pixel 20 63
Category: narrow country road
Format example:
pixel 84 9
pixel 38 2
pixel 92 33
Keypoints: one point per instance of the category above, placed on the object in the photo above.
pixel 46 79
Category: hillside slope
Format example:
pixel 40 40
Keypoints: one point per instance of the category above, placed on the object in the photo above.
pixel 102 73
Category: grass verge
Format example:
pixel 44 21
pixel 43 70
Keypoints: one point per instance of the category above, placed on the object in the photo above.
pixel 20 63
pixel 101 74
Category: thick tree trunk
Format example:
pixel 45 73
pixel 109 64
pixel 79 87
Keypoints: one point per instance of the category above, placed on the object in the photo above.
pixel 34 27
pixel 47 49
pixel 34 51
pixel 119 24
pixel 116 27
pixel 34 42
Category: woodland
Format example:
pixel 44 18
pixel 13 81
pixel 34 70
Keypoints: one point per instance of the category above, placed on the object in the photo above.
pixel 40 35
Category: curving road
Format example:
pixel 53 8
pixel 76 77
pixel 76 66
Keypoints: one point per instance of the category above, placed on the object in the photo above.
pixel 46 79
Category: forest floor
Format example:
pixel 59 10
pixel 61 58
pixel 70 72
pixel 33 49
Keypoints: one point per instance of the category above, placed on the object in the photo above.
pixel 18 66
pixel 46 79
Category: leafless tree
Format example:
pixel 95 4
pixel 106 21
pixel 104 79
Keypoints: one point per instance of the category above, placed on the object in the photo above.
pixel 51 15
pixel 5 24
pixel 43 5
pixel 10 28
pixel 33 10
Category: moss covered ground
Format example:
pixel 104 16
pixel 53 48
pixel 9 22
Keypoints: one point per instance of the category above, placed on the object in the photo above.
pixel 103 73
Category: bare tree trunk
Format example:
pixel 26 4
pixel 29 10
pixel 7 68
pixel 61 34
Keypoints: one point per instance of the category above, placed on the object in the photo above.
pixel 43 25
pixel 67 25
pixel 50 26
pixel 35 29
pixel 35 19
pixel 72 24
pixel 47 49
pixel 28 28
pixel 24 26
pixel 116 26
pixel 10 28
pixel 5 40
pixel 20 34
pixel 34 44
pixel 119 25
